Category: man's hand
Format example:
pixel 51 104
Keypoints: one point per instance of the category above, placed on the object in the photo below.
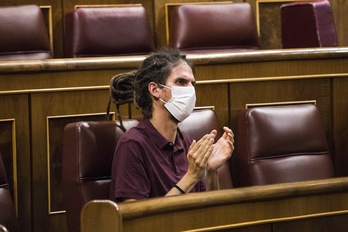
pixel 222 150
pixel 199 154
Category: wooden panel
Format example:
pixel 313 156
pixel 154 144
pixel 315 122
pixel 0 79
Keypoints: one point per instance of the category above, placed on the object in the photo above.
pixel 340 9
pixel 340 124
pixel 47 215
pixel 215 95
pixel 15 150
pixel 268 19
pixel 41 81
pixel 333 223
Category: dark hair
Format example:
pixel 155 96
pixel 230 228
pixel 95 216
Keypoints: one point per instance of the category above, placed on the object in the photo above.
pixel 155 68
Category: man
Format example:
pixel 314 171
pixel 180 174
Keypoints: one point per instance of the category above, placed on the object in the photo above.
pixel 155 158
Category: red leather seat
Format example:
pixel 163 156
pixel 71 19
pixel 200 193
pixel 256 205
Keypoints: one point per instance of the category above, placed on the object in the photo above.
pixel 88 150
pixel 107 31
pixel 213 27
pixel 278 144
pixel 308 24
pixel 24 35
pixel 8 218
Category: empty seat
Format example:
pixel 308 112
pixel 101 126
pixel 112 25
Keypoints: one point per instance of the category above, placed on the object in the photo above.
pixel 8 218
pixel 88 150
pixel 278 144
pixel 107 31
pixel 213 27
pixel 23 33
pixel 308 24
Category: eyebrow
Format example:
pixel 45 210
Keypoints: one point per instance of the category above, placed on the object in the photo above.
pixel 183 79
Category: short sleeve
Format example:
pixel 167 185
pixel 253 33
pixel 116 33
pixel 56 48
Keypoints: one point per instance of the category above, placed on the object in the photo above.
pixel 129 172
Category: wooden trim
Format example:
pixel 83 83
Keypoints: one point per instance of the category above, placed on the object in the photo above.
pixel 47 12
pixel 207 82
pixel 198 59
pixel 251 105
pixel 106 5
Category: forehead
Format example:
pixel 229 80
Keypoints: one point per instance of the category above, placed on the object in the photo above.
pixel 182 71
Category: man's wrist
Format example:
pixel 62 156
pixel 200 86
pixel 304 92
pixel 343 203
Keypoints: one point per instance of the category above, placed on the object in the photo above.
pixel 210 171
pixel 180 189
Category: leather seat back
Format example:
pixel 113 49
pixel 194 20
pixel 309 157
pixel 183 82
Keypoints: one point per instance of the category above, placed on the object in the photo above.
pixel 278 144
pixel 108 31
pixel 24 35
pixel 213 27
pixel 88 149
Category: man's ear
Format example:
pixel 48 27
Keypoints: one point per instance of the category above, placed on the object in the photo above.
pixel 154 89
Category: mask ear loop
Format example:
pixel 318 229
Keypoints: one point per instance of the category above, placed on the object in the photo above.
pixel 164 86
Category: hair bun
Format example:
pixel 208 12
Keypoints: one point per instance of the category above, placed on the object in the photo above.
pixel 121 88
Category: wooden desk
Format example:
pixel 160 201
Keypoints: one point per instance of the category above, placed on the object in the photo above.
pixel 303 206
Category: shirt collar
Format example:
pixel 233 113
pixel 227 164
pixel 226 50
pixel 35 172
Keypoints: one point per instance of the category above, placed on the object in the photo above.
pixel 159 139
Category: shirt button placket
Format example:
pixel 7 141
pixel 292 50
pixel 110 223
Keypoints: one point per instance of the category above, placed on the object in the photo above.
pixel 172 158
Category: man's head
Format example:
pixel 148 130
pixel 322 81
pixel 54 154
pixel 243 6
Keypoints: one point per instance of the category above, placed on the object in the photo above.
pixel 155 69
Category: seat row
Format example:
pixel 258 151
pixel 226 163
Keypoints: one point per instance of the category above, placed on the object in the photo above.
pixel 125 30
pixel 274 144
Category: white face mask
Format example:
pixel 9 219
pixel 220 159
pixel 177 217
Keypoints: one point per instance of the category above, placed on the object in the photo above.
pixel 182 103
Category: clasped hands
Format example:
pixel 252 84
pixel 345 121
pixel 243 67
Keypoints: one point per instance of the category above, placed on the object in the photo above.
pixel 204 154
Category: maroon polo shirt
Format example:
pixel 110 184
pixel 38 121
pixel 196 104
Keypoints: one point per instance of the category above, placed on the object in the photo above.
pixel 147 165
